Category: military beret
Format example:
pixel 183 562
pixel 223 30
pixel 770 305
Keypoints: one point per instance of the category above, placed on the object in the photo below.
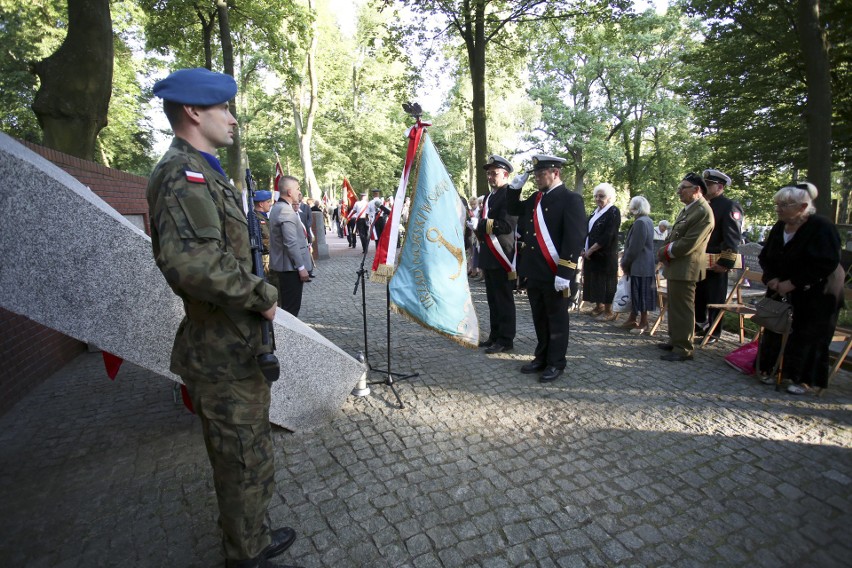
pixel 716 177
pixel 197 86
pixel 262 195
pixel 377 190
pixel 498 162
pixel 696 179
pixel 543 162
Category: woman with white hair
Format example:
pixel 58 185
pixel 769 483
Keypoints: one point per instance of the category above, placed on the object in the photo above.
pixel 638 263
pixel 801 261
pixel 600 266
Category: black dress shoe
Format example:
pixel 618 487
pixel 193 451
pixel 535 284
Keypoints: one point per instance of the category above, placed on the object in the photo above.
pixel 533 367
pixel 486 343
pixel 676 357
pixel 281 540
pixel 497 348
pixel 549 375
pixel 711 340
pixel 665 346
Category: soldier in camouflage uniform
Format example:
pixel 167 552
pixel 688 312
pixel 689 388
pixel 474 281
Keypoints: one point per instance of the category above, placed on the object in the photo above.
pixel 200 239
pixel 262 205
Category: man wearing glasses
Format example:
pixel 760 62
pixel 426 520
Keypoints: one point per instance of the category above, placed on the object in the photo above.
pixel 684 264
pixel 722 248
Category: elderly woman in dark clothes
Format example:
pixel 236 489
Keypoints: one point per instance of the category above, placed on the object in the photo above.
pixel 801 260
pixel 600 267
pixel 638 262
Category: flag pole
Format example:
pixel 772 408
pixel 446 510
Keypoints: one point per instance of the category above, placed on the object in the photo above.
pixel 383 246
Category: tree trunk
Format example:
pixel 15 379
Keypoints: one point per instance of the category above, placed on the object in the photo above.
pixel 818 109
pixel 76 81
pixel 207 36
pixel 305 130
pixel 475 41
pixel 235 171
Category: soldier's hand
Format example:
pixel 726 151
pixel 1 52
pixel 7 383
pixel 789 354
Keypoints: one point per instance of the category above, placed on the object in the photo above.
pixel 472 223
pixel 560 284
pixel 269 313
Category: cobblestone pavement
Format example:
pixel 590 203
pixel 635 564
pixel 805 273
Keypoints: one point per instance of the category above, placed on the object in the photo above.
pixel 626 460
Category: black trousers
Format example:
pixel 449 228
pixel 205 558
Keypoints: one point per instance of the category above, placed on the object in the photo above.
pixel 501 306
pixel 290 291
pixel 350 233
pixel 361 225
pixel 711 290
pixel 550 317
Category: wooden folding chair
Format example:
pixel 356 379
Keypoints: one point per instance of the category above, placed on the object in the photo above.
pixel 662 300
pixel 735 303
pixel 843 335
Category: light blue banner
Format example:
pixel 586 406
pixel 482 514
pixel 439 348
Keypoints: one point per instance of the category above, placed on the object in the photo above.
pixel 430 284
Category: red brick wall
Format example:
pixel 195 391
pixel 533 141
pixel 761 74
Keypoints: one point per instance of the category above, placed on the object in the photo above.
pixel 30 352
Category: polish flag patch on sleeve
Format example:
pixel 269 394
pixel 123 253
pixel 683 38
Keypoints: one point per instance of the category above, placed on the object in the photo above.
pixel 194 177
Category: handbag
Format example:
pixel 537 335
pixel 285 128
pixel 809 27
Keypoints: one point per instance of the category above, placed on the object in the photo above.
pixel 774 315
pixel 621 301
pixel 743 357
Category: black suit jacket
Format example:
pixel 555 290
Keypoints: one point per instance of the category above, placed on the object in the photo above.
pixel 565 217
pixel 498 223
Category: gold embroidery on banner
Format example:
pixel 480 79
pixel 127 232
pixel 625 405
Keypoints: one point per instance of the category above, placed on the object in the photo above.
pixel 454 250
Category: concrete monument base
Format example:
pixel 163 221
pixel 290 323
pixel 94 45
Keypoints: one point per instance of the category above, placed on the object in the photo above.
pixel 72 263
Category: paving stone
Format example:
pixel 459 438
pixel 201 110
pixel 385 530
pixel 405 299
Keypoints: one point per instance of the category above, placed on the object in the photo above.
pixel 624 462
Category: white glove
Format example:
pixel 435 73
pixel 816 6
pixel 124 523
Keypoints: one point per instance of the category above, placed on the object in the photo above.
pixel 472 223
pixel 519 180
pixel 561 284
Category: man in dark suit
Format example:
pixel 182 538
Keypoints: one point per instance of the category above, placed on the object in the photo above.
pixel 684 261
pixel 554 221
pixel 722 248
pixel 495 229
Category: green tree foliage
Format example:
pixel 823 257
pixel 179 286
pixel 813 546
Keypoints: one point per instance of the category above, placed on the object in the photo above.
pixel 748 87
pixel 34 30
pixel 606 91
pixel 127 141
pixel 29 32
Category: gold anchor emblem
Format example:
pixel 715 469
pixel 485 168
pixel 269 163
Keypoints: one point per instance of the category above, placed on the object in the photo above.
pixel 454 250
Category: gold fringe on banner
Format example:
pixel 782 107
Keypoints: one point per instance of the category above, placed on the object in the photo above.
pixel 397 310
pixel 382 274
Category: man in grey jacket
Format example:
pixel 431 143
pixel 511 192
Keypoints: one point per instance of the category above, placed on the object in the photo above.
pixel 289 259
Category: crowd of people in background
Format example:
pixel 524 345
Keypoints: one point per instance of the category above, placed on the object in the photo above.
pixel 694 255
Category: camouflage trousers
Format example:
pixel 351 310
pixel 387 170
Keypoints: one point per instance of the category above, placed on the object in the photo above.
pixel 235 422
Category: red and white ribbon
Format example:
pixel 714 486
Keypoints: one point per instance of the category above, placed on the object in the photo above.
pixel 548 249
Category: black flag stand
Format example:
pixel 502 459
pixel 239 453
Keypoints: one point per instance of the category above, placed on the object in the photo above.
pixel 389 379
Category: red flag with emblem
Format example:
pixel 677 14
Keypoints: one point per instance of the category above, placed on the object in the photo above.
pixel 349 194
pixel 279 173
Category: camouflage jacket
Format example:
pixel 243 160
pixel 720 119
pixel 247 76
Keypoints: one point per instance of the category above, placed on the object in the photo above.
pixel 200 239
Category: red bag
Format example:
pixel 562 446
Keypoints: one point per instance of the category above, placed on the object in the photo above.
pixel 742 358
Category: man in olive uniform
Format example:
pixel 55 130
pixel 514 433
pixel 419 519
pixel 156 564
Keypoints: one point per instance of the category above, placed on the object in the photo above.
pixel 495 229
pixel 199 235
pixel 722 247
pixel 554 221
pixel 262 205
pixel 684 264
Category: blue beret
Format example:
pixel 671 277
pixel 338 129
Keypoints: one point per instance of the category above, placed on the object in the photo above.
pixel 498 162
pixel 262 195
pixel 544 162
pixel 196 87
